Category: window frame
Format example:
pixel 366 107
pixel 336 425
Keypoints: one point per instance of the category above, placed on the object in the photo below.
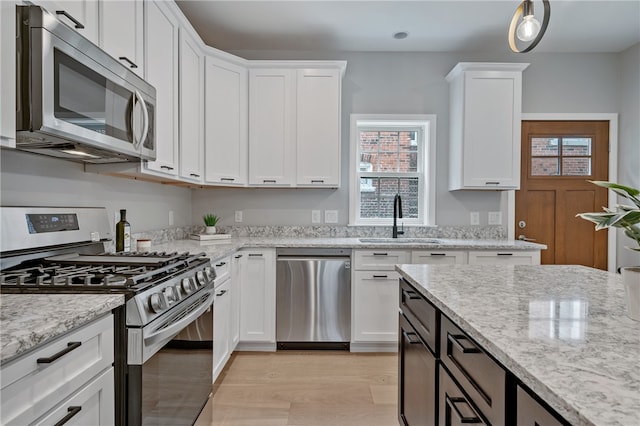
pixel 425 125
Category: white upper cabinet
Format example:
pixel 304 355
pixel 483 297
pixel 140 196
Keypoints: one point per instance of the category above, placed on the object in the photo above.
pixel 191 109
pixel 485 113
pixel 226 123
pixel 121 32
pixel 318 127
pixel 161 70
pixel 7 74
pixel 271 127
pixel 81 15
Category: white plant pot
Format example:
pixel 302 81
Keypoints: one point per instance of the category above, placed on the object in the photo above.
pixel 631 280
pixel 209 229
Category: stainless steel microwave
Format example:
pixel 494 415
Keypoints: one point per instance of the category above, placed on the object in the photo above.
pixel 75 101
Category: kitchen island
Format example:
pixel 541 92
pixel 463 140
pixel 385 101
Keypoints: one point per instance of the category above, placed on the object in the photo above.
pixel 560 331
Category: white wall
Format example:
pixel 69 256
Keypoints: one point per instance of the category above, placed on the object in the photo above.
pixel 414 83
pixel 34 180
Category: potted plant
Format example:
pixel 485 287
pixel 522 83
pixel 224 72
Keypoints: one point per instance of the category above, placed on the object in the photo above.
pixel 210 221
pixel 626 217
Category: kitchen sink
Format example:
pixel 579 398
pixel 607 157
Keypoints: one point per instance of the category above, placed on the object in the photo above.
pixel 401 240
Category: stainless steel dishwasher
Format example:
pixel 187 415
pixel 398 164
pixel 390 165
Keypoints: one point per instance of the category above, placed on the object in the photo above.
pixel 313 298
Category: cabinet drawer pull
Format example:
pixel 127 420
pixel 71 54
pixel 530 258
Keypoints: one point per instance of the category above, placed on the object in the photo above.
pixel 437 254
pixel 455 339
pixel 72 411
pixel 77 23
pixel 380 276
pixel 238 256
pixel 411 295
pixel 166 167
pixel 411 338
pixel 228 179
pixel 492 183
pixel 222 293
pixel 453 403
pixel 317 181
pixel 380 254
pixel 221 264
pixel 194 175
pixel 255 254
pixel 70 346
pixel 268 181
pixel 505 254
pixel 131 63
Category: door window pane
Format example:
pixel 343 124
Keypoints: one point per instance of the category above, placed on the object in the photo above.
pixel 572 147
pixel 544 147
pixel 542 166
pixel 576 166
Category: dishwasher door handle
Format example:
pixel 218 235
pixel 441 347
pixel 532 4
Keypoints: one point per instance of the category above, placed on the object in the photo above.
pixel 311 259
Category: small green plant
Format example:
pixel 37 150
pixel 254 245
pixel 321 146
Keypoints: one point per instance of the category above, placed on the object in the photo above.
pixel 210 219
pixel 621 216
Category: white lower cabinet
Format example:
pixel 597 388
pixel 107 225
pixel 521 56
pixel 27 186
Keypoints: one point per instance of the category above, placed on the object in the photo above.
pixel 438 257
pixel 504 257
pixel 221 327
pixel 69 378
pixel 258 300
pixel 237 274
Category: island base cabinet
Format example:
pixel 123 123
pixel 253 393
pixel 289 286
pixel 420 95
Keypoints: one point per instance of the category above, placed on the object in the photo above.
pixel 454 407
pixel 530 413
pixel 418 372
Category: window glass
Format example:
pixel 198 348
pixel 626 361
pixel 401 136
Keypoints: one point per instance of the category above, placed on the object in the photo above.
pixel 561 156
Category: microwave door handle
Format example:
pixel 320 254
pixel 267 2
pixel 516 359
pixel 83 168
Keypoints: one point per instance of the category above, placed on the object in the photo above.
pixel 136 141
pixel 145 123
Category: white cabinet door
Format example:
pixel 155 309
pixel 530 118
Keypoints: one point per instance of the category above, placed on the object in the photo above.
pixel 191 109
pixel 380 259
pixel 8 74
pixel 161 71
pixel 226 124
pixel 318 127
pixel 258 297
pixel 121 32
pixel 237 274
pixel 439 257
pixel 504 257
pixel 81 15
pixel 485 115
pixel 221 327
pixel 375 306
pixel 271 127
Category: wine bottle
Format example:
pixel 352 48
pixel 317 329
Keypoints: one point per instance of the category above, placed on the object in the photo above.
pixel 123 233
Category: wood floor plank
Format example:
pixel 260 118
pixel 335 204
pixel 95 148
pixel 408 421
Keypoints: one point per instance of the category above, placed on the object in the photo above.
pixel 297 388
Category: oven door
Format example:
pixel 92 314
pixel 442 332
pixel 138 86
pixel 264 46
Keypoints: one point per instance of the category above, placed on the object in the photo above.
pixel 174 382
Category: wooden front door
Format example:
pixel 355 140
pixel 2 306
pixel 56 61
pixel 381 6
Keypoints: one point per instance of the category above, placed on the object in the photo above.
pixel 559 158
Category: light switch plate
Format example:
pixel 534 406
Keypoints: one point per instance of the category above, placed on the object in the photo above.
pixel 238 216
pixel 474 218
pixel 495 218
pixel 315 216
pixel 331 216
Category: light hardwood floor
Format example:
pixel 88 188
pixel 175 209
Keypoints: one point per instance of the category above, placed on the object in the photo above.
pixel 305 388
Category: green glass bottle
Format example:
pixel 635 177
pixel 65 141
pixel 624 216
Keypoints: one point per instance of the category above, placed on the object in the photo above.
pixel 123 233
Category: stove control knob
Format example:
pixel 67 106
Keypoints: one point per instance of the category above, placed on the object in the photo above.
pixel 177 293
pixel 157 303
pixel 170 295
pixel 187 286
pixel 202 280
pixel 210 273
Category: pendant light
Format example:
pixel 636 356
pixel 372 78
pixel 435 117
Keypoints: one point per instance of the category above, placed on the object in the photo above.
pixel 526 27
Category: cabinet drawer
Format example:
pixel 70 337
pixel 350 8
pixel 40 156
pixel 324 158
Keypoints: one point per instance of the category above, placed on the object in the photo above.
pixel 222 268
pixel 421 313
pixel 36 382
pixel 454 406
pixel 438 257
pixel 478 374
pixel 380 260
pixel 531 413
pixel 504 257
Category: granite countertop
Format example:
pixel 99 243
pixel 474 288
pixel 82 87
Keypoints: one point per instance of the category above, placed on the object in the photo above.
pixel 562 330
pixel 218 249
pixel 27 320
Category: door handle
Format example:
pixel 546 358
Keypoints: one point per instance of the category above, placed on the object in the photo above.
pixel 78 25
pixel 521 237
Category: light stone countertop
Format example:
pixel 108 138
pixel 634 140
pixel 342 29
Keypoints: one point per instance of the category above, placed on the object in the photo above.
pixel 218 249
pixel 562 330
pixel 28 320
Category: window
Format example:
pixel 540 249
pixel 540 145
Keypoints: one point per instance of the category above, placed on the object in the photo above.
pixel 391 155
pixel 561 156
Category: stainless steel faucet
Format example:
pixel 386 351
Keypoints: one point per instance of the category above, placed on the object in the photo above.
pixel 397 214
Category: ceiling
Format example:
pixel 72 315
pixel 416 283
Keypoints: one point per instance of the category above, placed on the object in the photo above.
pixel 433 25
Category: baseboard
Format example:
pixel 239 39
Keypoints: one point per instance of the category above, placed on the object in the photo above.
pixel 374 347
pixel 256 346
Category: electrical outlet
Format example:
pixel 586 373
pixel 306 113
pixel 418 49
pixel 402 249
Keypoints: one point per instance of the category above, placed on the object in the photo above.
pixel 170 217
pixel 495 218
pixel 238 216
pixel 331 216
pixel 475 218
pixel 315 216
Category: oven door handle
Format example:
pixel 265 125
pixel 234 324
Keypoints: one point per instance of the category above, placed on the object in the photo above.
pixel 174 328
